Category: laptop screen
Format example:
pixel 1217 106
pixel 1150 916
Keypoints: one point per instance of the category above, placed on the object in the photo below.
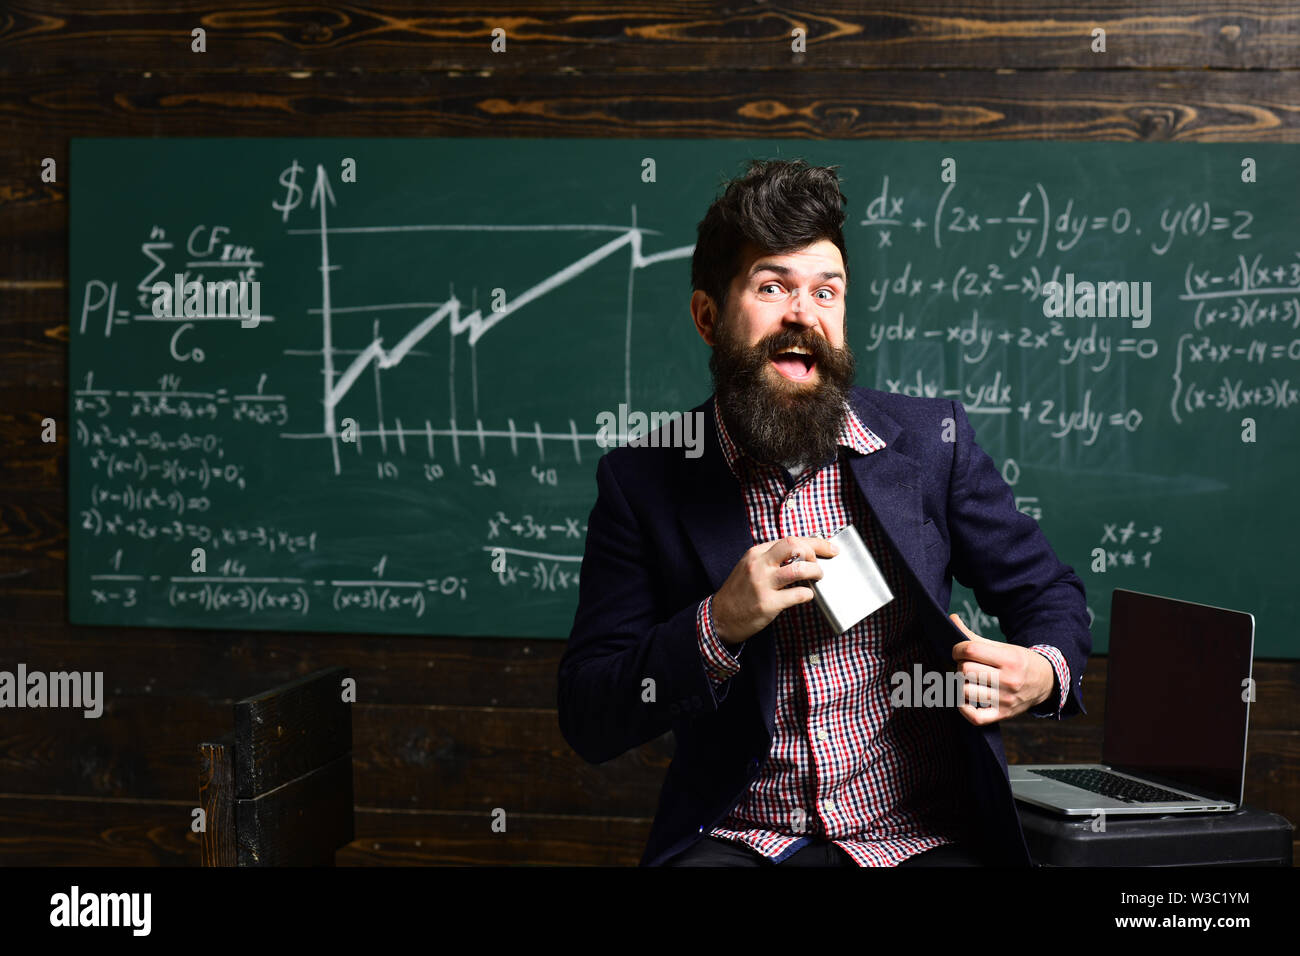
pixel 1174 686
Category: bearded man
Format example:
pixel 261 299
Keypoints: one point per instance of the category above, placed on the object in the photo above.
pixel 696 614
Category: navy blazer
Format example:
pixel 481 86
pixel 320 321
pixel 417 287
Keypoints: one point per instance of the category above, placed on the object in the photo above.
pixel 667 530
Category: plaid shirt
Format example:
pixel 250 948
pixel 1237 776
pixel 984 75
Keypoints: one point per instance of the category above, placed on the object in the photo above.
pixel 883 783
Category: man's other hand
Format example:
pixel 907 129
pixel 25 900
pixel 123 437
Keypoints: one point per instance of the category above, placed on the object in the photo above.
pixel 1008 677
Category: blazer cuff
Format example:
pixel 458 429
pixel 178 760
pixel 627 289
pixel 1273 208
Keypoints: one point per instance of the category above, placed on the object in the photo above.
pixel 1051 707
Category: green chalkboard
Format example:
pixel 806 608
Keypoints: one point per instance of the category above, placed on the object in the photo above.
pixel 465 309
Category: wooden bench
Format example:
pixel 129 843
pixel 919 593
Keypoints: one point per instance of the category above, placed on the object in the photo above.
pixel 277 791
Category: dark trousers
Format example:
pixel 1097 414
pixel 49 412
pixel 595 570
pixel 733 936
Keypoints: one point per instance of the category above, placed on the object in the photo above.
pixel 712 851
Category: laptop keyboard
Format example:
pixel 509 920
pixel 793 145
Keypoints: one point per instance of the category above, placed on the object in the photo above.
pixel 1111 785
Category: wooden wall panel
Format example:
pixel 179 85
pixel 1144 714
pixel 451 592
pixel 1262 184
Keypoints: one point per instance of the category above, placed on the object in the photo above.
pixel 248 36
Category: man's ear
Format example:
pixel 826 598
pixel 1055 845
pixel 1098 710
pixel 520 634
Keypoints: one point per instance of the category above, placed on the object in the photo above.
pixel 705 315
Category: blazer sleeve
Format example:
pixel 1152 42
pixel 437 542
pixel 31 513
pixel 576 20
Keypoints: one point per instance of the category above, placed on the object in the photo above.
pixel 630 668
pixel 1003 556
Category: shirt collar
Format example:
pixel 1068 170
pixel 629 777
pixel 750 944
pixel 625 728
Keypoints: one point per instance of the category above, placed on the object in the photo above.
pixel 853 434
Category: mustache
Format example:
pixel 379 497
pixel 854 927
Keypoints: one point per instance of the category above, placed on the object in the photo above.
pixel 786 339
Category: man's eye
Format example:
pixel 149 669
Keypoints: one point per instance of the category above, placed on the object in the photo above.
pixel 831 291
pixel 767 285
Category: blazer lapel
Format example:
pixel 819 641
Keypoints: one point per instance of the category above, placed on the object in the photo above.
pixel 714 517
pixel 890 483
pixel 713 512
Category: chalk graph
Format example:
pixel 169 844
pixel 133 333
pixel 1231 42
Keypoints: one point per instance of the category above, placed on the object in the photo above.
pixel 339 382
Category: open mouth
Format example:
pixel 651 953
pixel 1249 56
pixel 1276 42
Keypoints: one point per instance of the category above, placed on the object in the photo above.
pixel 796 364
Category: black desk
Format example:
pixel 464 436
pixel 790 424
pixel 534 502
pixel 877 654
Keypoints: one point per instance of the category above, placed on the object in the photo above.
pixel 1246 837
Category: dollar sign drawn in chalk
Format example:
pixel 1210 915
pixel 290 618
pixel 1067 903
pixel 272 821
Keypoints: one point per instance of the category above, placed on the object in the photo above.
pixel 288 179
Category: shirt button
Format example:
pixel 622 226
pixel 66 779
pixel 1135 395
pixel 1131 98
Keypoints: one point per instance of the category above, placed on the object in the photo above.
pixel 823 735
pixel 829 804
pixel 814 658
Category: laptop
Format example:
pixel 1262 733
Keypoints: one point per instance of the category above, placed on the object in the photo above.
pixel 1175 732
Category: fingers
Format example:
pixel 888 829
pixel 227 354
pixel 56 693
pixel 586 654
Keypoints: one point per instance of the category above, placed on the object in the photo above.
pixel 792 595
pixel 961 625
pixel 980 649
pixel 796 560
pixel 824 548
pixel 798 571
pixel 987 715
pixel 980 686
pixel 981 703
pixel 784 550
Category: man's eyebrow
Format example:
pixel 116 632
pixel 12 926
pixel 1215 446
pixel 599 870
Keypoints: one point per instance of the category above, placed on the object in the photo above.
pixel 785 271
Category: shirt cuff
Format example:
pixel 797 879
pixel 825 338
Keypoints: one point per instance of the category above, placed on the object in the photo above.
pixel 1052 707
pixel 721 663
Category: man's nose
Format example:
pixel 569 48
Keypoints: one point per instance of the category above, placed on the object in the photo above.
pixel 797 313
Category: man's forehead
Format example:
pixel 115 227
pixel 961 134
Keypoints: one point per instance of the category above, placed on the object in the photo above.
pixel 817 257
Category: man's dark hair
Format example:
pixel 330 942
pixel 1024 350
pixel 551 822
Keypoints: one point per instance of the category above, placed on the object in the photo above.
pixel 780 205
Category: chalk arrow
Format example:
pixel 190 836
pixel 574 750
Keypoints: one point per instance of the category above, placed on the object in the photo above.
pixel 322 187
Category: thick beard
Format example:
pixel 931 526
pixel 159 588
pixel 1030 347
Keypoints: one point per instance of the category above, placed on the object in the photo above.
pixel 776 420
